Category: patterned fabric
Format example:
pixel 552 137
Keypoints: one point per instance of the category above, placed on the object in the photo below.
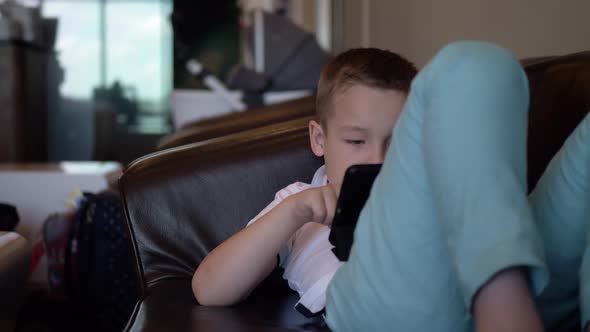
pixel 102 278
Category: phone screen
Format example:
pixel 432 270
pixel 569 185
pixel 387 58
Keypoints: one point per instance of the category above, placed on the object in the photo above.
pixel 354 193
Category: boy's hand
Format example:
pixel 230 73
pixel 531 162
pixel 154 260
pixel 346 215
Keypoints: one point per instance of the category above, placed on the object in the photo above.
pixel 315 205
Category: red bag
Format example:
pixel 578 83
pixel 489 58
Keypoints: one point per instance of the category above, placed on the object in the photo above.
pixel 56 230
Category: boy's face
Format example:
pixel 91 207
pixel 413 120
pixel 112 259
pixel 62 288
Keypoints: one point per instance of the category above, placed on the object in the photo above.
pixel 358 129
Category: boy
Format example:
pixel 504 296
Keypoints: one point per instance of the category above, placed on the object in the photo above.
pixel 360 95
pixel 449 240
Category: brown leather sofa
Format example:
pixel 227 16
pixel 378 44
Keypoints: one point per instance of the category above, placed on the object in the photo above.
pixel 180 203
pixel 560 98
pixel 235 122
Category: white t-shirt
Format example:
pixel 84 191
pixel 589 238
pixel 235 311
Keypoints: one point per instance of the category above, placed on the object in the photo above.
pixel 307 256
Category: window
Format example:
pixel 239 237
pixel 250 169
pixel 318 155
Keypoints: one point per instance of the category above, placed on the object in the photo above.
pixel 121 47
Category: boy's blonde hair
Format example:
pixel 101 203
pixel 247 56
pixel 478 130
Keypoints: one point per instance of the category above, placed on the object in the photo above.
pixel 370 67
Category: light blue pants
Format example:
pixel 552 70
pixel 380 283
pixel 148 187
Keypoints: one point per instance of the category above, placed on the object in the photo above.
pixel 449 208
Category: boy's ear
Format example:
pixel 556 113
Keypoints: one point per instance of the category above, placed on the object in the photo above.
pixel 317 138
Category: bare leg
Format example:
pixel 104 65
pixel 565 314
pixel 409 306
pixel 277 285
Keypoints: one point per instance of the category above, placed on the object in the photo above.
pixel 505 304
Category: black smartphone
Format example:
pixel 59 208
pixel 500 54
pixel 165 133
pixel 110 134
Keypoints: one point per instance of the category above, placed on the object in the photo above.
pixel 354 193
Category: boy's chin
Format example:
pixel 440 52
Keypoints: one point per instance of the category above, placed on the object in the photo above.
pixel 336 187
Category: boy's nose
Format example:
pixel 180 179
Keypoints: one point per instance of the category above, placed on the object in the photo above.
pixel 377 156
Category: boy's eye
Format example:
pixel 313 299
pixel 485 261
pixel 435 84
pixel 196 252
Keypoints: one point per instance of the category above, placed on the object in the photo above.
pixel 355 141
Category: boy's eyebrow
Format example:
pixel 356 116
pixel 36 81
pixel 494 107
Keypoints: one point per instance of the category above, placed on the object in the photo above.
pixel 353 128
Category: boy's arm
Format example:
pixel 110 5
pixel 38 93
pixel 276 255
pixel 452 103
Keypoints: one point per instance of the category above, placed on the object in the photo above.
pixel 232 270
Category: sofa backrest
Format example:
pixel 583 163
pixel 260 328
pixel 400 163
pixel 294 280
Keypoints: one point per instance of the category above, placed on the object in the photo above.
pixel 560 98
pixel 235 122
pixel 182 202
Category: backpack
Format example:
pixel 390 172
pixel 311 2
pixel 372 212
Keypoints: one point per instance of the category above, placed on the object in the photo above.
pixel 100 277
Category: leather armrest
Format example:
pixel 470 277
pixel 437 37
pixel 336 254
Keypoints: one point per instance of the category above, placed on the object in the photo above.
pixel 170 306
pixel 15 261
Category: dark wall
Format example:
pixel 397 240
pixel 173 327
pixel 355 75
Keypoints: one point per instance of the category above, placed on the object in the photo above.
pixel 208 31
